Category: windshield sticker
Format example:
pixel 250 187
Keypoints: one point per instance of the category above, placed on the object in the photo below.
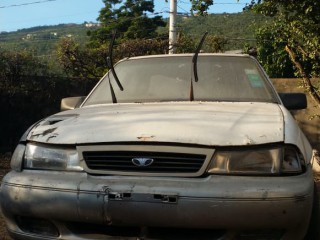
pixel 254 78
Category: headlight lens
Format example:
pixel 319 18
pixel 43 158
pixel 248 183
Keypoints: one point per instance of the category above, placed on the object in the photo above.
pixel 275 160
pixel 292 160
pixel 51 158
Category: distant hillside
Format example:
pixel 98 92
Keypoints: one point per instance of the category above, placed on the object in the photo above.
pixel 42 40
pixel 237 28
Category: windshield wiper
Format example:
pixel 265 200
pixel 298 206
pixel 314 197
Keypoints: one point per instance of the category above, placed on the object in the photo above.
pixel 195 57
pixel 195 61
pixel 113 95
pixel 110 62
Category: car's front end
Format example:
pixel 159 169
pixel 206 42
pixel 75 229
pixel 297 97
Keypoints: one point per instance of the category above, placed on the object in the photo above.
pixel 162 170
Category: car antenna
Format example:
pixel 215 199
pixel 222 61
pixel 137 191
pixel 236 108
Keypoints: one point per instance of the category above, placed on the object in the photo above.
pixel 110 61
pixel 195 56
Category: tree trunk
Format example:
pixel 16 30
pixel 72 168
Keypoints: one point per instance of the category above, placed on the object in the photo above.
pixel 306 80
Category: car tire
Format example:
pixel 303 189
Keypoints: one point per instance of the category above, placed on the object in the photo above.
pixel 314 225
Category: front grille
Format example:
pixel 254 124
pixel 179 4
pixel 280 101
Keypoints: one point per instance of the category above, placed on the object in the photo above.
pixel 162 162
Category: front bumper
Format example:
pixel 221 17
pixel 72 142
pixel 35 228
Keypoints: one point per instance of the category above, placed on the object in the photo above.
pixel 231 203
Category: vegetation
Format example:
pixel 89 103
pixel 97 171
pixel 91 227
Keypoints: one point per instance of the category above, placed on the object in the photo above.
pixel 42 40
pixel 127 17
pixel 292 38
pixel 201 6
pixel 237 29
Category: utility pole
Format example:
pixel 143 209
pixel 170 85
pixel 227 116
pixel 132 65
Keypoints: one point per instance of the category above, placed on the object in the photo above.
pixel 172 27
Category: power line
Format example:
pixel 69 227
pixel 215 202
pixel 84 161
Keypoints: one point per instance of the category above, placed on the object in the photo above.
pixel 215 3
pixel 47 38
pixel 44 1
pixel 25 4
pixel 113 20
pixel 238 3
pixel 155 38
pixel 186 12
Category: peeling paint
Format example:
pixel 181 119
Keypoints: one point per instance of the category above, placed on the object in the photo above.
pixel 48 131
pixel 208 123
pixel 44 133
pixel 52 136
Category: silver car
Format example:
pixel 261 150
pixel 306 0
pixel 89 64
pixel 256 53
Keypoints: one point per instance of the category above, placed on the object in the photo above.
pixel 167 147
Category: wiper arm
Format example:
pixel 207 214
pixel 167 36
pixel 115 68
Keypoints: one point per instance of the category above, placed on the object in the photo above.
pixel 113 95
pixel 110 61
pixel 195 56
pixel 195 68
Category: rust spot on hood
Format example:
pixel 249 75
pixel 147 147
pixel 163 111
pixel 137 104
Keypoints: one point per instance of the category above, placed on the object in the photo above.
pixel 146 137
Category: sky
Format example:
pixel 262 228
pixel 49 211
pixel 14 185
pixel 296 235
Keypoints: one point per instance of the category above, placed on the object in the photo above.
pixel 19 14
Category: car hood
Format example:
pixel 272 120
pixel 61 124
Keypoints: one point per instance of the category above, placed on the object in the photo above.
pixel 205 123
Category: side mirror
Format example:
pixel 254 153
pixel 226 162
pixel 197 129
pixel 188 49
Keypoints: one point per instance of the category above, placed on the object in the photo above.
pixel 294 101
pixel 71 103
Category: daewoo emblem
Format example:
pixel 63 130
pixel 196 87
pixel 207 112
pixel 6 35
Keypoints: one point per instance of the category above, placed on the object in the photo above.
pixel 142 162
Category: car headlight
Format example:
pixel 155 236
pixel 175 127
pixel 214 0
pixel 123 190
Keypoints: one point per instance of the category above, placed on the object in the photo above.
pixel 51 158
pixel 274 160
pixel 17 157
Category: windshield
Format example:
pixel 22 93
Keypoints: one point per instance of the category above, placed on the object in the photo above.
pixel 221 78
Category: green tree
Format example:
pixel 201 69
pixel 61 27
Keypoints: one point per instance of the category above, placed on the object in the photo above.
pixel 296 31
pixel 216 44
pixel 82 61
pixel 185 43
pixel 201 6
pixel 129 18
pixel 272 54
pixel 140 47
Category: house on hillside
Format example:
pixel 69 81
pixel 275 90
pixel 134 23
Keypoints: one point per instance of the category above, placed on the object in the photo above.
pixel 91 24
